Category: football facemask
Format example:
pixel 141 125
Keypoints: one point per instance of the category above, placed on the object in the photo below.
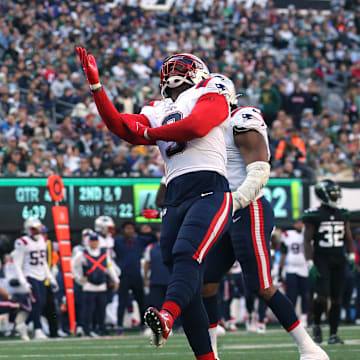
pixel 182 68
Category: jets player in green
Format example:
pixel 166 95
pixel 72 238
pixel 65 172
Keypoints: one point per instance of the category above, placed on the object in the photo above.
pixel 327 232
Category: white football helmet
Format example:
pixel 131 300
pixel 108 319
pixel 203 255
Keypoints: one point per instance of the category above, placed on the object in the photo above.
pixel 229 86
pixel 33 226
pixel 182 68
pixel 104 225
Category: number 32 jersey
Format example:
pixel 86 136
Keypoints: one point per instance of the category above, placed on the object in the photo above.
pixel 33 254
pixel 329 235
pixel 207 153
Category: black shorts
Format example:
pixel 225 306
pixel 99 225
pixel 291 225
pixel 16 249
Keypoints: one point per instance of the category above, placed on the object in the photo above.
pixel 332 277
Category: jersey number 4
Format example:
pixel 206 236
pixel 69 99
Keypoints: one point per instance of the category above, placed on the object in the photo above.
pixel 176 148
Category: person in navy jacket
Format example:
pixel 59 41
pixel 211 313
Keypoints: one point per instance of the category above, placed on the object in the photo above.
pixel 129 248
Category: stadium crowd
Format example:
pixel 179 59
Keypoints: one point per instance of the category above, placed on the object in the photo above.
pixel 301 68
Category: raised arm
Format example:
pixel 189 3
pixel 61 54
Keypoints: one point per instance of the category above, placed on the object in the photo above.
pixel 111 117
pixel 210 111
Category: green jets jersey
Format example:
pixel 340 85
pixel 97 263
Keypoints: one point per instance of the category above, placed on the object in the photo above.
pixel 329 236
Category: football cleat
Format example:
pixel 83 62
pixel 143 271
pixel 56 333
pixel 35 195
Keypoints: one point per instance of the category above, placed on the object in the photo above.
pixel 39 335
pixel 159 323
pixel 79 331
pixel 22 330
pixel 315 353
pixel 335 340
pixel 261 328
pixel 317 334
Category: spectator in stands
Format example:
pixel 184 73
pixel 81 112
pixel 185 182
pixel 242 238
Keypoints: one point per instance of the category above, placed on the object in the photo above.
pixel 11 169
pixel 270 101
pixel 84 168
pixel 319 52
pixel 291 148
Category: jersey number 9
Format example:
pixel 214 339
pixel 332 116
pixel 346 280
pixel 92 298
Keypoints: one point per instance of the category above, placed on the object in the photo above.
pixel 176 148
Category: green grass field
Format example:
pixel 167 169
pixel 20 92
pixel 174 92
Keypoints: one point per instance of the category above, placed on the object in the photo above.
pixel 274 345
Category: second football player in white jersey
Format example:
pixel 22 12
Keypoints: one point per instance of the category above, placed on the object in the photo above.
pixel 294 265
pixel 30 258
pixel 248 239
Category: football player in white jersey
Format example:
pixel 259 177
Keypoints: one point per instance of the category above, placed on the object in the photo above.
pixel 188 126
pixel 105 227
pixel 294 265
pixel 16 302
pixel 30 258
pixel 248 239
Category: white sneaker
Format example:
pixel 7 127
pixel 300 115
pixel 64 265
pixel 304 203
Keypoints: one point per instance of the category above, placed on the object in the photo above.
pixel 93 334
pixel 251 326
pixel 62 333
pixel 357 321
pixel 316 353
pixel 79 331
pixel 22 330
pixel 39 335
pixel 220 331
pixel 261 328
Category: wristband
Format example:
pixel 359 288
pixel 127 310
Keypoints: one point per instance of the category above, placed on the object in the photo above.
pixel 95 86
pixel 146 136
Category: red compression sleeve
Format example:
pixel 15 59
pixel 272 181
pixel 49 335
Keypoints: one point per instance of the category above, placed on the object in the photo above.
pixel 209 111
pixel 115 121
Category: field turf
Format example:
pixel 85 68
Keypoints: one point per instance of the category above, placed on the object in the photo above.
pixel 274 345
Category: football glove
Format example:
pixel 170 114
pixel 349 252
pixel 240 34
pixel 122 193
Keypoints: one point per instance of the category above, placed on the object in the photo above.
pixel 54 285
pixel 90 68
pixel 351 261
pixel 313 271
pixel 150 214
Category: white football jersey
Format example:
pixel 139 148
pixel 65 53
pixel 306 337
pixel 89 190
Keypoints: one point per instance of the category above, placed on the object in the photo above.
pixel 106 242
pixel 203 154
pixel 34 254
pixel 295 262
pixel 242 119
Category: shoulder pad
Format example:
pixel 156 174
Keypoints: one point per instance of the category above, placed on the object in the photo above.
pixel 247 118
pixel 311 210
pixel 310 214
pixel 20 242
pixel 346 211
pixel 213 85
pixel 151 104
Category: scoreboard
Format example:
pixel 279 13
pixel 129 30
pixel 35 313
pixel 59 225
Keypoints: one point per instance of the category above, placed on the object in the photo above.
pixel 121 198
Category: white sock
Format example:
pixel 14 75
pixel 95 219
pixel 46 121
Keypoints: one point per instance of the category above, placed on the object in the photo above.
pixel 301 338
pixel 213 340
